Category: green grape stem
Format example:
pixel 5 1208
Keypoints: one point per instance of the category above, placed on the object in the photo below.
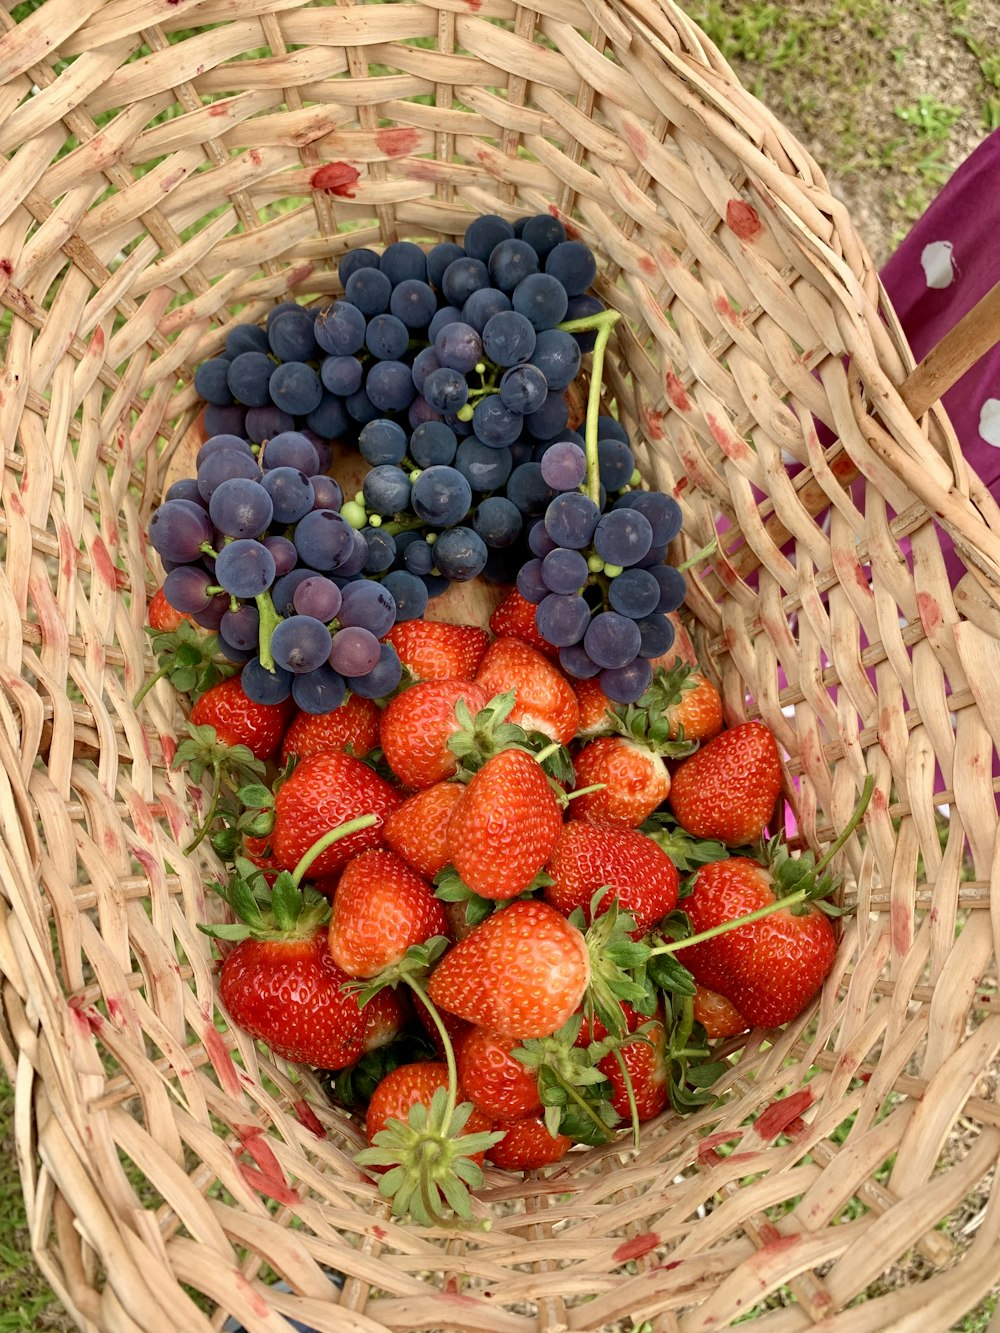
pixel 269 621
pixel 604 323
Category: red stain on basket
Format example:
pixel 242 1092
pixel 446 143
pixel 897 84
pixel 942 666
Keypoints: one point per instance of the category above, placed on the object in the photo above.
pixel 742 219
pixel 169 747
pixel 115 1010
pixel 682 485
pixel 929 610
pixel 218 1054
pixel 15 504
pixel 473 6
pixel 677 393
pixel 774 1241
pixel 636 1246
pixel 397 142
pixel 218 109
pixel 336 178
pixel 309 1118
pixel 780 1116
pixel 257 1302
pixel 900 928
pixel 708 1145
pixel 87 1019
pixel 724 307
pixel 572 233
pixel 379 1233
pixel 652 418
pixel 731 445
pixel 6 267
pixel 647 266
pixel 636 140
pixel 101 563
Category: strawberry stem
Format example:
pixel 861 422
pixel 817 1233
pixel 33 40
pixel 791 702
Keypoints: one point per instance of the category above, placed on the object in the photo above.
pixel 157 675
pixel 551 749
pixel 213 805
pixel 449 1050
pixel 584 791
pixel 603 323
pixel 630 1094
pixel 327 840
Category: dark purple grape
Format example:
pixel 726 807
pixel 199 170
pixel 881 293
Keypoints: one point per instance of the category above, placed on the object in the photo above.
pixel 656 635
pixel 438 259
pixel 264 422
pixel 543 233
pixel 484 233
pixel 462 278
pixel 634 593
pixel 564 465
pixel 386 337
pixel 230 420
pixel 562 618
pixel 616 464
pixel 446 390
pixel 241 628
pixel 291 335
pixel 384 678
pixel 295 388
pixel 448 314
pixel 564 570
pixel 539 541
pixel 511 262
pixel 542 300
pixel 369 289
pixel 414 303
pixel 354 651
pixel 291 493
pixel 328 421
pixel 459 347
pixel 211 617
pixel 355 259
pixel 441 496
pixel 508 338
pixel 382 443
pixel 240 507
pixel 527 488
pixel 319 691
pixel 342 375
pixel 318 597
pixel 185 488
pixel 340 329
pixel 290 449
pixel 494 423
pixel 249 378
pixel 224 465
pixel 263 686
pixel 211 381
pixel 386 490
pixel 178 529
pixel 460 554
pixel 246 338
pixel 575 662
pixel 433 444
pixel 424 362
pixel 381 550
pixel 482 305
pixel 245 568
pixel 369 605
pixel 390 387
pixel 300 643
pixel 583 307
pixel 283 591
pixel 622 537
pixel 550 419
pixel 573 265
pixel 285 555
pixel 323 539
pixel 485 469
pixel 626 684
pixel 409 593
pixel 403 261
pixel 186 589
pixel 612 640
pixel 530 583
pixel 326 492
pixel 557 356
pixel 523 389
pixel 673 587
pixel 498 521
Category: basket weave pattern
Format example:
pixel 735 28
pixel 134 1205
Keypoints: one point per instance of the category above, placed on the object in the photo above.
pixel 170 168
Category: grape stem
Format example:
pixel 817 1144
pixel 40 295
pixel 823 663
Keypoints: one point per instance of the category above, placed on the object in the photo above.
pixel 604 324
pixel 269 621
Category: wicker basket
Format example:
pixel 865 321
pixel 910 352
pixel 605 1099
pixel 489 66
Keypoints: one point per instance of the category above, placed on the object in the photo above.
pixel 169 164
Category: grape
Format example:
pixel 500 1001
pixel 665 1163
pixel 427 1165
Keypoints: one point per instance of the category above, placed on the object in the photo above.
pixel 240 507
pixel 573 265
pixel 541 299
pixel 211 617
pixel 418 558
pixel 408 592
pixel 390 386
pixel 562 619
pixel 497 521
pixel 502 563
pixel 543 233
pixel 424 362
pixel 211 381
pixel 384 678
pixel 574 661
pixel 369 605
pixel 178 529
pixel 369 289
pixel 283 590
pixel 550 419
pixel 634 593
pixel 245 568
pixel 263 686
pixel 319 691
pixel 460 554
pixel 663 512
pixel 386 490
pixel 622 537
pixel 290 449
pixel 224 465
pixel 518 225
pixel 402 261
pixel 511 262
pixel 241 628
pixel 616 463
pixel 185 488
pixel 446 390
pixel 237 655
pixel 341 374
pixel 673 587
pixel 462 278
pixel 248 378
pixel 228 420
pixel 656 635
pixel 355 259
pixel 355 651
pixel 246 338
pixel 564 570
pixel 530 583
pixel 340 329
pixel 295 388
pixel 264 422
pixel 582 307
pixel 386 337
pixel 318 597
pixel 433 444
pixel 458 424
pixel 300 643
pixel 329 420
pixel 285 555
pixel 508 338
pixel 361 408
pixel 482 305
pixel 381 442
pixel 485 469
pixel 327 492
pixel 608 428
pixel 448 314
pixel 539 541
pixel 629 683
pixel 611 640
pixel 436 584
pixel 557 356
pixel 381 550
pixel 527 488
pixel 291 335
pixel 441 496
pixel 414 303
pixel 564 465
pixel 571 519
pixel 186 589
pixel 356 559
pixel 219 444
pixel 290 492
pixel 277 310
pixel 494 423
pixel 323 539
pixel 484 233
pixel 459 347
pixel 523 389
pixel 438 259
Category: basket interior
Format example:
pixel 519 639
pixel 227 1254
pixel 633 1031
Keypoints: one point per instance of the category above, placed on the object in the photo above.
pixel 171 170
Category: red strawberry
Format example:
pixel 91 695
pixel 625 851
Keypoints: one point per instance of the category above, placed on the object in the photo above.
pixel 770 968
pixel 241 721
pixel 594 707
pixel 522 971
pixel 384 1018
pixel 456 1028
pixel 697 710
pixel 543 698
pixel 597 1031
pixel 405 1087
pixel 504 826
pixel 514 618
pixel 648 1067
pixel 434 650
pixel 634 781
pixel 161 615
pixel 418 830
pixel 501 1086
pixel 380 908
pixel 354 724
pixel 323 792
pixel 527 1145
pixel 417 724
pixel 717 1015
pixel 727 790
pixel 589 856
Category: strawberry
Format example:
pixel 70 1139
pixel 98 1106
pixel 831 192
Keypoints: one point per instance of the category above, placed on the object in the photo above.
pixel 504 826
pixel 434 650
pixel 160 615
pixel 380 908
pixel 499 1085
pixel 717 1015
pixel 595 707
pixel 594 1029
pixel 697 712
pixel 384 1017
pixel 514 618
pixel 728 789
pixel 645 1058
pixel 770 968
pixel 418 829
pixel 417 725
pixel 353 725
pixel 522 971
pixel 409 1086
pixel 589 856
pixel 456 1028
pixel 543 698
pixel 323 792
pixel 527 1145
pixel 633 781
pixel 239 720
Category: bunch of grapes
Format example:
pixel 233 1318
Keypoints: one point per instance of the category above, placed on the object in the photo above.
pixel 448 370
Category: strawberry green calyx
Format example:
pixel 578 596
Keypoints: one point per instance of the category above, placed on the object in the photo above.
pixel 203 753
pixel 188 658
pixel 489 732
pixel 570 1084
pixel 685 850
pixel 694 1068
pixel 647 722
pixel 613 956
pixel 283 913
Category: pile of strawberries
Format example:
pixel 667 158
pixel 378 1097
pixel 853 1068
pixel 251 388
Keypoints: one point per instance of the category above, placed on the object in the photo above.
pixel 501 914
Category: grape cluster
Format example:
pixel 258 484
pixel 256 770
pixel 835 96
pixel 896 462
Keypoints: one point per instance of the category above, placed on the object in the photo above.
pixel 448 370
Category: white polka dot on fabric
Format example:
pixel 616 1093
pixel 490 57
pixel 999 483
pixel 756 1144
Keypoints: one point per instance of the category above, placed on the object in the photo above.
pixel 936 261
pixel 989 422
